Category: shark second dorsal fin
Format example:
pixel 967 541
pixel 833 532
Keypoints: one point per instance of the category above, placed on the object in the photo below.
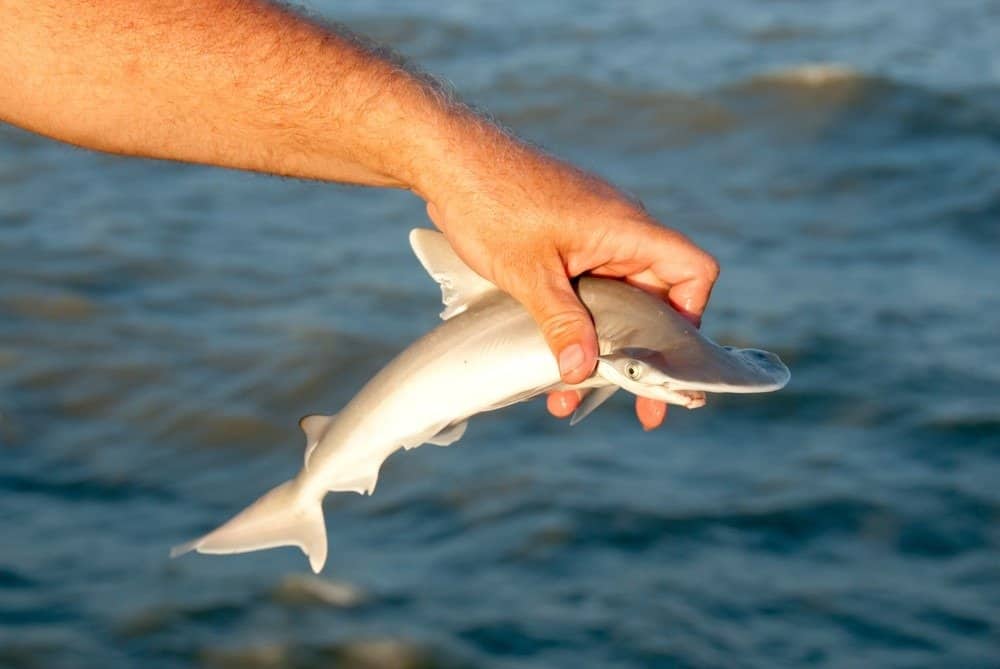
pixel 315 426
pixel 460 286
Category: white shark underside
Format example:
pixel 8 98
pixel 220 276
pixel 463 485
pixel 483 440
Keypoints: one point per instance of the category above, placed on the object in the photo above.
pixel 487 354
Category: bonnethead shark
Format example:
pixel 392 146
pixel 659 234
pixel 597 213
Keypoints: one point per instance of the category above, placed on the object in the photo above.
pixel 487 354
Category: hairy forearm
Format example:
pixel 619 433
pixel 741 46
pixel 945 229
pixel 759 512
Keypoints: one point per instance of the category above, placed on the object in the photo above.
pixel 239 83
pixel 249 85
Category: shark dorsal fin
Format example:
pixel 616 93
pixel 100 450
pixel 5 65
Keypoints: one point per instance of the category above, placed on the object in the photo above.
pixel 460 286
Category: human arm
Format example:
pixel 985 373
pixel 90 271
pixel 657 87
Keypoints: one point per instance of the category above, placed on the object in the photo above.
pixel 248 85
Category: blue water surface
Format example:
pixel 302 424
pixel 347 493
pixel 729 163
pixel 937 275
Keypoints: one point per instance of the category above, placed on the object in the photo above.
pixel 164 326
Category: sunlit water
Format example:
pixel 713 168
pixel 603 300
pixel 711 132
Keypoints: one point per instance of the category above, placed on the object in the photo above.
pixel 163 327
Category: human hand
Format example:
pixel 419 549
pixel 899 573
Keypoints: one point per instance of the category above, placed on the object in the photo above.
pixel 530 222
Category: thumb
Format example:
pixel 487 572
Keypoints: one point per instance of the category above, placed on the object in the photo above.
pixel 565 323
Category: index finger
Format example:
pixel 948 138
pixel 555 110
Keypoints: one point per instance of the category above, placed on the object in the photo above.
pixel 690 274
pixel 691 297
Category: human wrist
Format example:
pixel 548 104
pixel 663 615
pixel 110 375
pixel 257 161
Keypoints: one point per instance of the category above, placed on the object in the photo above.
pixel 450 153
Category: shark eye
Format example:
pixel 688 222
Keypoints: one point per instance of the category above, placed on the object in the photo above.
pixel 633 370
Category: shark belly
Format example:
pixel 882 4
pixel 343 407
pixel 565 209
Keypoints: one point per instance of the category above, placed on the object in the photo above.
pixel 469 364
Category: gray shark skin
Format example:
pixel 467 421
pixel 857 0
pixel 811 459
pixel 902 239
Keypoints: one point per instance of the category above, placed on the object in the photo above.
pixel 487 354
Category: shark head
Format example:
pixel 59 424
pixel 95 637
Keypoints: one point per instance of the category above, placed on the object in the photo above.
pixel 637 371
pixel 647 348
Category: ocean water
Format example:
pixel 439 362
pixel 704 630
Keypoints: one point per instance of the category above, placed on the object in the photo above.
pixel 163 327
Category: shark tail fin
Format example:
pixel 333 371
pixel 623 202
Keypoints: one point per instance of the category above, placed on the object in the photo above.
pixel 282 517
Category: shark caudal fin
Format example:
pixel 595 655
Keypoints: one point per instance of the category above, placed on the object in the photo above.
pixel 282 517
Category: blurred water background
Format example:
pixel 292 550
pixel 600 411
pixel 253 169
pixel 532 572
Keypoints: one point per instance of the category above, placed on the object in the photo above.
pixel 163 327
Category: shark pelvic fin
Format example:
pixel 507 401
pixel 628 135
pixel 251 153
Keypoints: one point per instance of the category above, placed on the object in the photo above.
pixel 460 286
pixel 449 435
pixel 442 434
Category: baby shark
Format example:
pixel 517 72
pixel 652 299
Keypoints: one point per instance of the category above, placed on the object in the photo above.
pixel 487 354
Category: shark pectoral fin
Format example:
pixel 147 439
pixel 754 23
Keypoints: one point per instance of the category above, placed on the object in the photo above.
pixel 314 426
pixel 460 286
pixel 591 400
pixel 449 435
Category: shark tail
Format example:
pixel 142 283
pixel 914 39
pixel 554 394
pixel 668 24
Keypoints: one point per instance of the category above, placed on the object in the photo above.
pixel 282 517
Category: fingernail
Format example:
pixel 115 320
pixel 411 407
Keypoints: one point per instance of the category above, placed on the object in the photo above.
pixel 570 359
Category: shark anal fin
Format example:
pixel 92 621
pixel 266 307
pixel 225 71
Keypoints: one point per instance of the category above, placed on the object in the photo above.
pixel 363 485
pixel 591 400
